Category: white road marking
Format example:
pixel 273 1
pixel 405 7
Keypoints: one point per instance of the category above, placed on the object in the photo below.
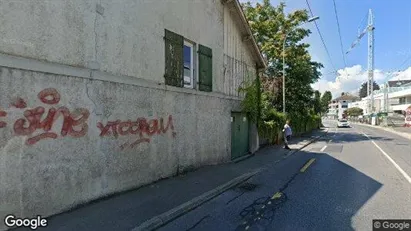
pixel 322 149
pixel 408 178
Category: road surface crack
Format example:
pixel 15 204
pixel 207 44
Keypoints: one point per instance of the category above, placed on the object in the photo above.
pixel 198 222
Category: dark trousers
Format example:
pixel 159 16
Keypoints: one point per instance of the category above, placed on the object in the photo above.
pixel 286 141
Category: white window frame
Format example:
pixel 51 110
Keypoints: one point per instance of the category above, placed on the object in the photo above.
pixel 192 46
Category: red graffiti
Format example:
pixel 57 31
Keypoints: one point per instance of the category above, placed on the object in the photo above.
pixel 74 123
pixel 19 103
pixel 49 96
pixel 141 127
pixel 2 123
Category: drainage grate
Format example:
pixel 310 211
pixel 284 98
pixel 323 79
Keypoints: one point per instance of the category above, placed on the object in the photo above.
pixel 247 186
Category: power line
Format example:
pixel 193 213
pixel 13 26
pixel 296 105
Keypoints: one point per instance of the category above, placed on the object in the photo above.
pixel 339 33
pixel 322 39
pixel 405 61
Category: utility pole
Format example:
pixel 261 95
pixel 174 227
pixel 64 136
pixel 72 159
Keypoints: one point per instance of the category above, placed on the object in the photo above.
pixel 370 82
pixel 371 60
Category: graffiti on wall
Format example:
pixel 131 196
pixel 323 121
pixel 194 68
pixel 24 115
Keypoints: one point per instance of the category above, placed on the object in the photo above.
pixel 2 123
pixel 37 123
pixel 142 128
pixel 38 128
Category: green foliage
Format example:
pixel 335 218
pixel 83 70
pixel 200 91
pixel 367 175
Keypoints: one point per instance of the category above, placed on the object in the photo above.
pixel 263 100
pixel 271 27
pixel 250 102
pixel 325 100
pixel 317 103
pixel 354 111
pixel 363 89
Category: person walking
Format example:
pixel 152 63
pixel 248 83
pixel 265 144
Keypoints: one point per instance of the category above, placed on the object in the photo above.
pixel 287 134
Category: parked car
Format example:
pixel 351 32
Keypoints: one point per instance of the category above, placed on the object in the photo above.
pixel 343 123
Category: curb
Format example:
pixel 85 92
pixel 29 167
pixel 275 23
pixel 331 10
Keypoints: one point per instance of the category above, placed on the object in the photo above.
pixel 239 159
pixel 407 136
pixel 162 219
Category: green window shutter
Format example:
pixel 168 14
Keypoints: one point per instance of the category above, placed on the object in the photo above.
pixel 205 59
pixel 174 59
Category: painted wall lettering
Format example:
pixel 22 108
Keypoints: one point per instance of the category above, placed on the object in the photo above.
pixel 2 123
pixel 74 123
pixel 144 129
pixel 19 103
pixel 37 123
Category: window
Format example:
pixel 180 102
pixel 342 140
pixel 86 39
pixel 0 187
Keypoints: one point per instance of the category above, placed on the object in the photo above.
pixel 180 63
pixel 188 64
pixel 344 106
pixel 402 100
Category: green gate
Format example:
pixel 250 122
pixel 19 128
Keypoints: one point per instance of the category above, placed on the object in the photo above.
pixel 239 135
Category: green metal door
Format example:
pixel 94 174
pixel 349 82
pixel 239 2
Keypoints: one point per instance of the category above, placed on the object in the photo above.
pixel 239 134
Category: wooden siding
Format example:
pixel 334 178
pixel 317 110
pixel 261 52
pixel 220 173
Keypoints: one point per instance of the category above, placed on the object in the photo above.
pixel 238 59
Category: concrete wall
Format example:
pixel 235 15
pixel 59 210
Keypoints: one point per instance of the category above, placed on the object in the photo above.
pixel 94 146
pixel 127 38
pixel 121 39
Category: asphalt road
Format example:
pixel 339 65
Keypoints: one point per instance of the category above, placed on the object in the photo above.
pixel 342 182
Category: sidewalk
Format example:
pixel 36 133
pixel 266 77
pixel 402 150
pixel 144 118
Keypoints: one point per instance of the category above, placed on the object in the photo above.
pixel 401 131
pixel 171 197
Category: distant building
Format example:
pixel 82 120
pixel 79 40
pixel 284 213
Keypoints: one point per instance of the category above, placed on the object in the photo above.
pixel 398 83
pixel 337 106
pixel 394 98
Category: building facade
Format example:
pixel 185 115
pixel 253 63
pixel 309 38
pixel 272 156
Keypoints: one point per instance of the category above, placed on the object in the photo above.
pixel 391 99
pixel 101 97
pixel 337 106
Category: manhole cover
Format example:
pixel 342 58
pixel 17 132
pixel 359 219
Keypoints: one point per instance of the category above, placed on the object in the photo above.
pixel 247 186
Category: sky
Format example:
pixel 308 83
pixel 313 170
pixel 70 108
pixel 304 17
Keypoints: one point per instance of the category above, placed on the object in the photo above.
pixel 392 56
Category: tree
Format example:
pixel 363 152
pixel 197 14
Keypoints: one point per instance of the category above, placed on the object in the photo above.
pixel 270 25
pixel 317 102
pixel 325 100
pixel 354 111
pixel 363 89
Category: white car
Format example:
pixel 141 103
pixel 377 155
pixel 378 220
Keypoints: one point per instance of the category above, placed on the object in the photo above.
pixel 343 123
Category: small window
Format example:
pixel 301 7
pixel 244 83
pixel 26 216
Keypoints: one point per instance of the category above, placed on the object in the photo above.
pixel 402 100
pixel 188 64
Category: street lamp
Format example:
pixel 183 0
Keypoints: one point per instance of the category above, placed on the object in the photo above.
pixel 285 39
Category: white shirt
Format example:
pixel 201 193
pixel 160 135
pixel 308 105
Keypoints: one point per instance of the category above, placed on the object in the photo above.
pixel 287 130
